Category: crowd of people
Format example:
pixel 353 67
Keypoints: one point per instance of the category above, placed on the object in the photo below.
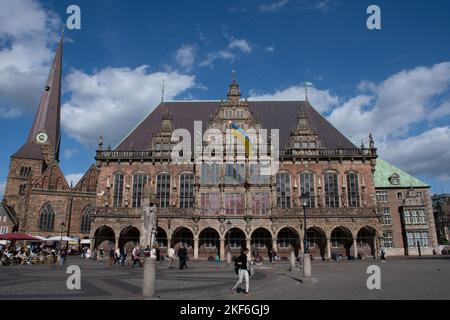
pixel 31 254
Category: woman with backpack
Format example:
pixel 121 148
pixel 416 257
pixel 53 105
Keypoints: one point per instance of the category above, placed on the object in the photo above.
pixel 244 270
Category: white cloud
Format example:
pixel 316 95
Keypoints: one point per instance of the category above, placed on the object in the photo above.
pixel 213 56
pixel 185 56
pixel 26 49
pixel 391 108
pixel 273 6
pixel 322 100
pixel 2 189
pixel 426 154
pixel 240 44
pixel 74 178
pixel 69 153
pixel 110 102
pixel 269 49
pixel 323 5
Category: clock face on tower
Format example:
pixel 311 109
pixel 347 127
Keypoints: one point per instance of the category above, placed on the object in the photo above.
pixel 41 137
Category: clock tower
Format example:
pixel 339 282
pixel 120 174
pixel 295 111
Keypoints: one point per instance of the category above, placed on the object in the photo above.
pixel 42 146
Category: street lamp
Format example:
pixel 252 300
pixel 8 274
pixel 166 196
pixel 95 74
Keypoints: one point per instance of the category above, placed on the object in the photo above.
pixel 305 204
pixel 62 230
pixel 229 226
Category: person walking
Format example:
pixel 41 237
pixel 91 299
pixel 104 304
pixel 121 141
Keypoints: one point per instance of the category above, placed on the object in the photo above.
pixel 147 252
pixel 171 257
pixel 63 255
pixel 136 256
pixel 270 253
pixel 117 256
pixel 383 255
pixel 241 268
pixel 182 254
pixel 111 256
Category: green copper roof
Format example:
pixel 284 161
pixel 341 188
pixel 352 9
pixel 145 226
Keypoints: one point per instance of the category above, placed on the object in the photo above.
pixel 384 171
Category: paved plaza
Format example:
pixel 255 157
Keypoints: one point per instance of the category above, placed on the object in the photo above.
pixel 401 278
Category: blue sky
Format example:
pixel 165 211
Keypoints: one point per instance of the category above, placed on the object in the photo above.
pixel 393 82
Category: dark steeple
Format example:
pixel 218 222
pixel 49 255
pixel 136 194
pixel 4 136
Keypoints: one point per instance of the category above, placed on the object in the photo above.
pixel 45 135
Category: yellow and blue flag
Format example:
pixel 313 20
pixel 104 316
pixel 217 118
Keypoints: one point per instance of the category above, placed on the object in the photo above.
pixel 239 133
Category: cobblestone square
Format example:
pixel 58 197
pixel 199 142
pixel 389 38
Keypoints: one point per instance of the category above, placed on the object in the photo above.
pixel 401 278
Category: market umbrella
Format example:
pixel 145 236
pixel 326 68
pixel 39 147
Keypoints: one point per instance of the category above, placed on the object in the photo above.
pixel 59 238
pixel 17 236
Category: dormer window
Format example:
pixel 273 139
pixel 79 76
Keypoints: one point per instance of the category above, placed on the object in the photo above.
pixel 394 179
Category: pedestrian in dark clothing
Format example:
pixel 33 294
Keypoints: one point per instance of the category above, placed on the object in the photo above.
pixel 241 269
pixel 111 256
pixel 270 254
pixel 182 254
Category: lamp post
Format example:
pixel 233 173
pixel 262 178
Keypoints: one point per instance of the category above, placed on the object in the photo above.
pixel 70 213
pixel 229 226
pixel 62 230
pixel 306 256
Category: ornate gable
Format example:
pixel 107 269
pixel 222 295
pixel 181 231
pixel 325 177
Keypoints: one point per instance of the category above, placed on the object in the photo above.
pixel 52 179
pixel 303 139
pixel 88 183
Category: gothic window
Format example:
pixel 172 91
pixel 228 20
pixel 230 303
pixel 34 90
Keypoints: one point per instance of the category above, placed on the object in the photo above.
pixel 422 216
pixel 118 190
pixel 256 176
pixel 387 240
pixel 235 173
pixel 307 189
pixel 138 187
pixel 163 190
pixel 353 190
pixel 187 190
pixel 210 173
pixel 331 190
pixel 86 221
pixel 260 203
pixel 283 190
pixel 234 203
pixel 210 203
pixel 47 218
pixel 407 217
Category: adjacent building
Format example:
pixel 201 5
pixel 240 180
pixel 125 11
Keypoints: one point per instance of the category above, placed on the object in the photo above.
pixel 441 211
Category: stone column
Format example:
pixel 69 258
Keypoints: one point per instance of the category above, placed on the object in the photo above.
pixel 117 243
pixel 222 249
pixel 302 249
pixel 149 282
pixel 274 245
pixel 169 243
pixel 328 248
pixel 249 245
pixel 355 248
pixel 195 248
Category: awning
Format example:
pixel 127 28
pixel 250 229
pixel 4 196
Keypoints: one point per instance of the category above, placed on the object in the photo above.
pixel 18 236
pixel 63 238
pixel 85 241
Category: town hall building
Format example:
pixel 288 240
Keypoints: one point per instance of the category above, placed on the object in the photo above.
pixel 325 187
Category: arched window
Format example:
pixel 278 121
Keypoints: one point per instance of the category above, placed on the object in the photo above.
pixel 353 190
pixel 118 190
pixel 187 190
pixel 307 189
pixel 283 190
pixel 163 190
pixel 86 221
pixel 331 190
pixel 138 189
pixel 47 218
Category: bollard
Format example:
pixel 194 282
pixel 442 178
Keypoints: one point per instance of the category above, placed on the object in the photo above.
pixel 306 265
pixel 292 261
pixel 228 257
pixel 149 283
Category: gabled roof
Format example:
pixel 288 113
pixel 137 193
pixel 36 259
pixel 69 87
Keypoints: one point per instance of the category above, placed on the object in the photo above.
pixel 47 118
pixel 280 115
pixel 7 210
pixel 384 171
pixel 52 173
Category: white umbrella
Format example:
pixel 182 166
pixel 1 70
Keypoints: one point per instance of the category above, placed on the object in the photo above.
pixel 39 237
pixel 63 238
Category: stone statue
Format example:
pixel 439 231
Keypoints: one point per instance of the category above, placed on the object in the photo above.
pixel 149 224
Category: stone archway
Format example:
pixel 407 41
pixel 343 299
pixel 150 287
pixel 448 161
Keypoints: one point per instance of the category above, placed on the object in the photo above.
pixel 261 242
pixel 161 241
pixel 104 237
pixel 235 241
pixel 209 244
pixel 182 237
pixel 341 242
pixel 316 241
pixel 366 242
pixel 129 237
pixel 288 239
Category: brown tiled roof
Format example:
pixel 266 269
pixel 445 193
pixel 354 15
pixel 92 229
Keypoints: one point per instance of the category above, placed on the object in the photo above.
pixel 47 116
pixel 280 115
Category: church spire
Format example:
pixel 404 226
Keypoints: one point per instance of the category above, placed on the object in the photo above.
pixel 46 126
pixel 234 94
